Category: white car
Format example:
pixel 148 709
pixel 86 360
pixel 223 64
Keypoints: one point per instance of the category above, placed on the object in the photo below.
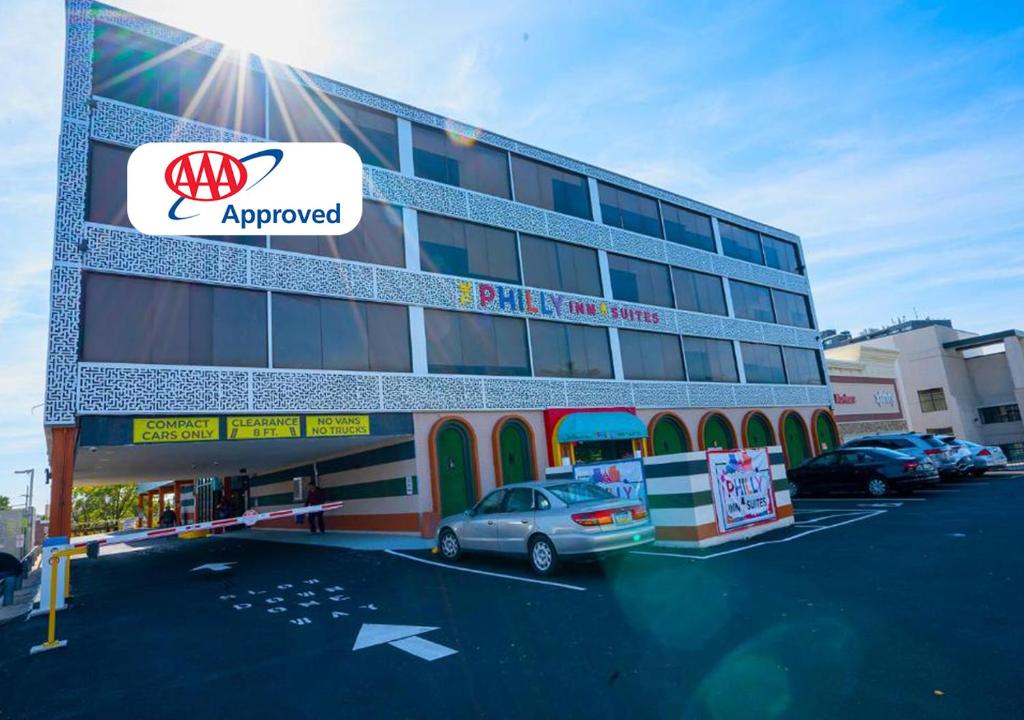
pixel 985 457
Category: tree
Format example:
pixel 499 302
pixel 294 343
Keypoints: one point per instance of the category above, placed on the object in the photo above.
pixel 5 502
pixel 103 503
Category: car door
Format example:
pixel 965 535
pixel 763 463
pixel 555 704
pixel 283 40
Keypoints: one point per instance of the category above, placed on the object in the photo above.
pixel 516 523
pixel 823 471
pixel 480 530
pixel 853 469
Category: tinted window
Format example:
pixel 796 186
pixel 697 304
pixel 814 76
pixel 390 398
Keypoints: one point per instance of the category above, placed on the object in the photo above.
pixel 639 281
pixel 572 493
pixel 560 266
pixel 473 344
pixel 562 350
pixel 803 366
pixel 699 292
pixel 740 243
pixel 709 360
pixel 762 363
pixel 329 334
pixel 629 211
pixel 651 356
pixel 688 228
pixel 781 254
pixel 519 500
pixel 139 320
pixel 548 187
pixel 458 161
pixel 135 69
pixel 453 247
pixel 376 239
pixel 299 113
pixel 752 302
pixel 792 309
pixel 492 503
pixel 108 184
pixel 1000 414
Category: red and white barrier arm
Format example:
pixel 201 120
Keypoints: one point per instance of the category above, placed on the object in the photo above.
pixel 248 518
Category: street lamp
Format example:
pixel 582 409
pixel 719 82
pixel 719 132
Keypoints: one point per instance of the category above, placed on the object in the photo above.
pixel 31 472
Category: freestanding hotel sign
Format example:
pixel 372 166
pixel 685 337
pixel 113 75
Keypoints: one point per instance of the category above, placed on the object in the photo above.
pixel 742 488
pixel 622 478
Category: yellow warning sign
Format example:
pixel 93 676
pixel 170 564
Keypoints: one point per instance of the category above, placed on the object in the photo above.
pixel 175 429
pixel 261 427
pixel 337 425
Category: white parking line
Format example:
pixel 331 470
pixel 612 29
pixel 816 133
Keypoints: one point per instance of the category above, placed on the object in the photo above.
pixel 484 572
pixel 840 514
pixel 853 499
pixel 869 514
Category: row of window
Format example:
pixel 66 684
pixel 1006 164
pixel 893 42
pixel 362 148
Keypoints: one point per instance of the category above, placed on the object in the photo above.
pixel 456 247
pixel 135 69
pixel 142 320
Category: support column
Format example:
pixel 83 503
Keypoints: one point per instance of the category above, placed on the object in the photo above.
pixel 160 501
pixel 149 509
pixel 177 501
pixel 64 440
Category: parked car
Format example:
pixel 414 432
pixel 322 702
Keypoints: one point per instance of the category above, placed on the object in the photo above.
pixel 547 522
pixel 921 446
pixel 983 457
pixel 876 471
pixel 961 453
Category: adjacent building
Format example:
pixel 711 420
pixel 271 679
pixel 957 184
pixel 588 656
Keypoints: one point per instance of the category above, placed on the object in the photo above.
pixel 865 390
pixel 493 295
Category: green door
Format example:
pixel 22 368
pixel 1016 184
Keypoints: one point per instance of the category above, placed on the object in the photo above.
pixel 797 446
pixel 454 466
pixel 759 434
pixel 718 434
pixel 826 432
pixel 516 453
pixel 668 437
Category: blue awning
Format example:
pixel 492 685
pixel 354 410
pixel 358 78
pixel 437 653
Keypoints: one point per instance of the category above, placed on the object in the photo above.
pixel 601 426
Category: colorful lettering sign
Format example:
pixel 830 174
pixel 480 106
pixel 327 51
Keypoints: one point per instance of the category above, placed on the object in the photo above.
pixel 337 425
pixel 261 427
pixel 175 429
pixel 622 478
pixel 741 485
pixel 544 303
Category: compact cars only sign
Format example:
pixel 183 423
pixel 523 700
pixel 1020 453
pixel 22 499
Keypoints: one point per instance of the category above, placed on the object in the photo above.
pixel 245 188
pixel 742 488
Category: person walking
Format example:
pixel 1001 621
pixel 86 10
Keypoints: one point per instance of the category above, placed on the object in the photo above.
pixel 315 496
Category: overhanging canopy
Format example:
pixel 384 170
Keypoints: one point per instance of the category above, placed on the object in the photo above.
pixel 601 426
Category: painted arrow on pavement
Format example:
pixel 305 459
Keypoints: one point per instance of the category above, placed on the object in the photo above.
pixel 403 637
pixel 215 567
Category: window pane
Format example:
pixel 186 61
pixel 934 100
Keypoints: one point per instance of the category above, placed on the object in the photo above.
pixel 803 366
pixel 740 243
pixel 709 360
pixel 108 184
pixel 299 113
pixel 453 247
pixel 548 187
pixel 781 254
pixel 560 266
pixel 651 356
pixel 377 239
pixel 388 328
pixel 628 210
pixel 688 228
pixel 458 161
pixel 239 324
pixel 475 344
pixel 562 350
pixel 699 292
pixel 762 363
pixel 751 302
pixel 640 281
pixel 298 342
pixel 1000 414
pixel 792 308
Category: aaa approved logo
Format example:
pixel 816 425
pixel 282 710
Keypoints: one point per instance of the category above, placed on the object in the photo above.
pixel 245 188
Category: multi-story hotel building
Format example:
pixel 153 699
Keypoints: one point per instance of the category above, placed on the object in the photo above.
pixel 494 296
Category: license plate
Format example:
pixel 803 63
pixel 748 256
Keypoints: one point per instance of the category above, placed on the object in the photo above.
pixel 623 517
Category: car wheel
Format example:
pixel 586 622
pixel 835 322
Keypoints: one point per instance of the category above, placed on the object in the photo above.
pixel 543 557
pixel 878 487
pixel 448 544
pixel 794 488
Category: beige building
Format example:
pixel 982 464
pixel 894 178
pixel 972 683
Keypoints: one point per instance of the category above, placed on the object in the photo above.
pixel 865 391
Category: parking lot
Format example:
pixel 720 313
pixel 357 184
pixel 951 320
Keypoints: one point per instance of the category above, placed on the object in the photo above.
pixel 903 607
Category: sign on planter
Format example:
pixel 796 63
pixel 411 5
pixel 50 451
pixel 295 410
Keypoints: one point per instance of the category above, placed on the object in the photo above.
pixel 622 478
pixel 741 484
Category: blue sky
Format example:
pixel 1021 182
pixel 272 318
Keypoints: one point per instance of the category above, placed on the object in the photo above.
pixel 889 136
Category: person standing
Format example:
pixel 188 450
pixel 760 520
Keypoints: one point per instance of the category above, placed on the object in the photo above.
pixel 315 496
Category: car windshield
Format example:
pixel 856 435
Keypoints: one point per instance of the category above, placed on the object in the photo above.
pixel 933 441
pixel 579 492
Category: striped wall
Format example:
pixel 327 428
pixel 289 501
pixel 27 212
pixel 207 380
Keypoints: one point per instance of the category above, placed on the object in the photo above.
pixel 681 504
pixel 379 486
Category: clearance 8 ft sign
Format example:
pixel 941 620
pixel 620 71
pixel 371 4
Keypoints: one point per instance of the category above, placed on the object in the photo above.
pixel 246 427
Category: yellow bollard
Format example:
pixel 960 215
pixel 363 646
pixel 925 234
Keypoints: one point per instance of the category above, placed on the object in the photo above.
pixel 51 633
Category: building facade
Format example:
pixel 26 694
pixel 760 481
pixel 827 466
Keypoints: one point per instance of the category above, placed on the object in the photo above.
pixel 492 291
pixel 865 391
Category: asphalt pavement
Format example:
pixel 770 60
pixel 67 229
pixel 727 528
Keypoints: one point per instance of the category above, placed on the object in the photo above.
pixel 899 608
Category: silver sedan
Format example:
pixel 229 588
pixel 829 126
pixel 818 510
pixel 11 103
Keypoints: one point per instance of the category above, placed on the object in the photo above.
pixel 545 522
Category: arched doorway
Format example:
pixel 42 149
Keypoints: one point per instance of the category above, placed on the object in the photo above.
pixel 757 431
pixel 826 435
pixel 795 443
pixel 716 432
pixel 456 471
pixel 668 435
pixel 513 448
